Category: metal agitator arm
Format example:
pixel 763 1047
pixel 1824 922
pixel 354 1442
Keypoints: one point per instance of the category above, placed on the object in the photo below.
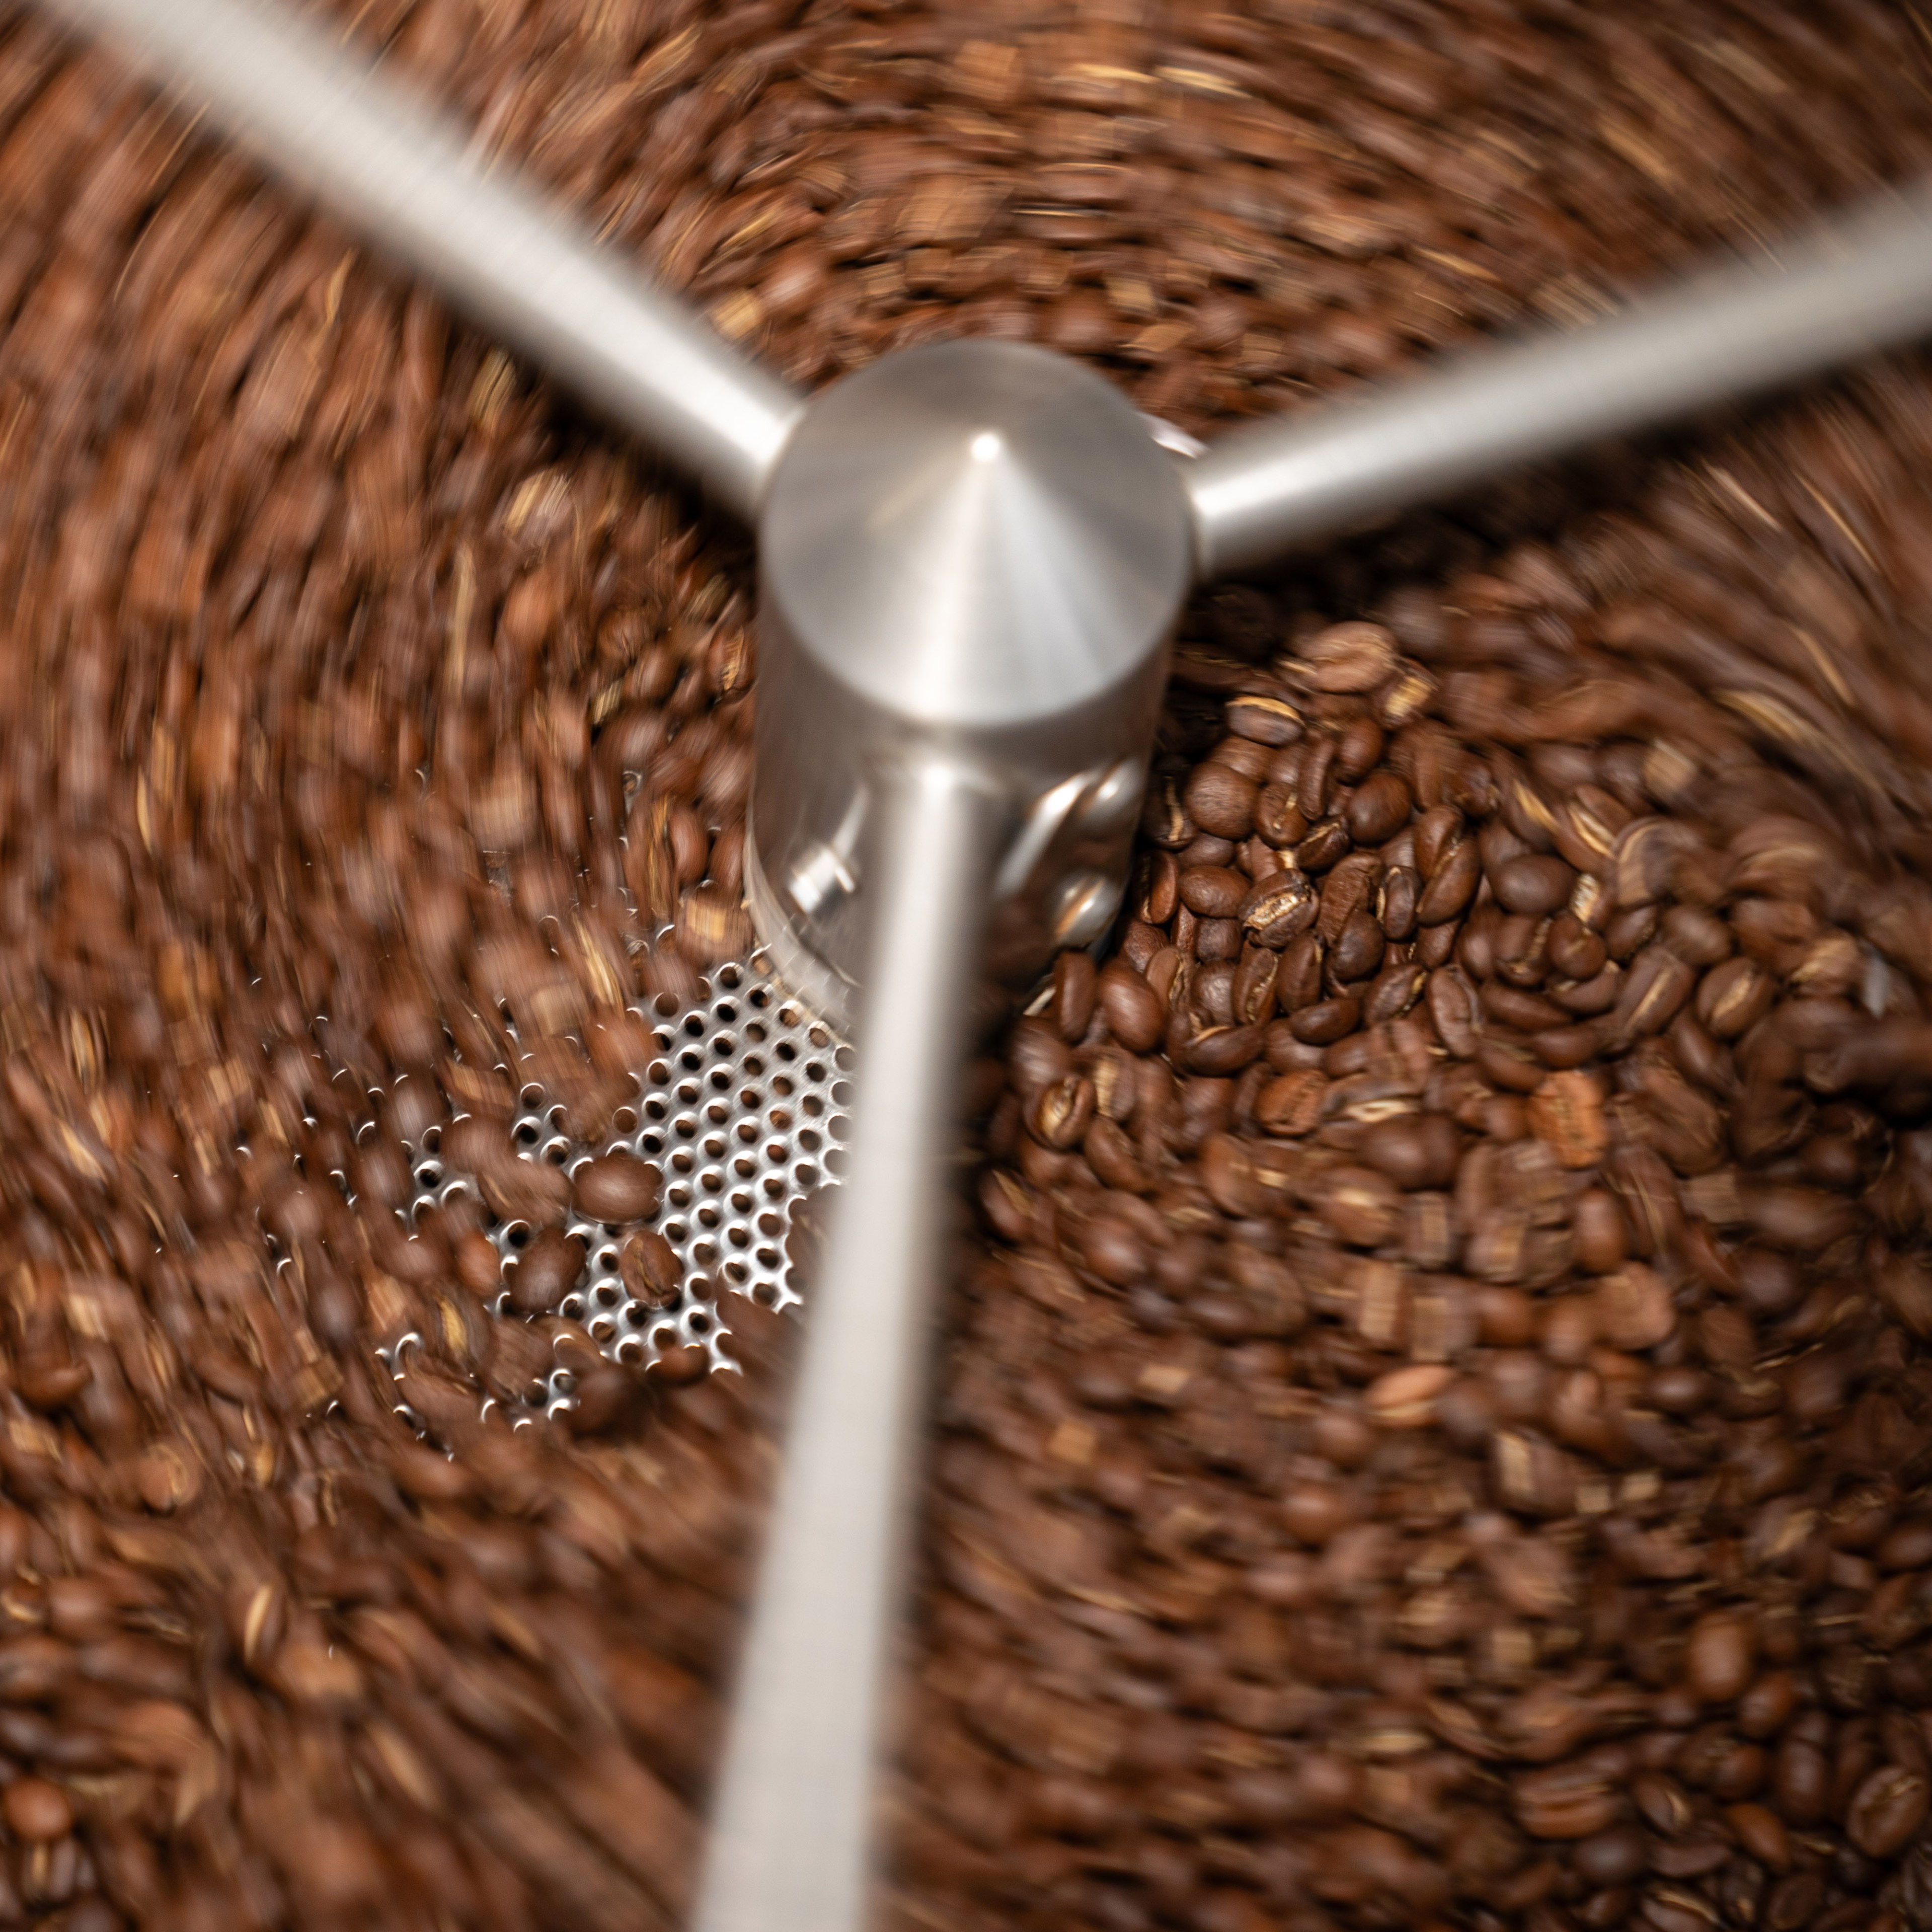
pixel 970 556
pixel 372 153
pixel 1861 282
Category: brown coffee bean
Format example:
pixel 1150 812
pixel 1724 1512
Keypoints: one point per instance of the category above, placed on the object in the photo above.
pixel 1062 1113
pixel 1218 1050
pixel 1324 1021
pixel 616 1188
pixel 545 1271
pixel 1075 984
pixel 1396 903
pixel 1133 1012
pixel 1698 938
pixel 1254 987
pixel 1264 721
pixel 1278 818
pixel 1379 809
pixel 1280 909
pixel 1451 886
pixel 1362 1207
pixel 1359 748
pixel 1221 801
pixel 1732 996
pixel 36 1810
pixel 1325 843
pixel 1356 952
pixel 650 1270
pixel 1801 1777
pixel 1793 1902
pixel 1408 1398
pixel 1566 1112
pixel 1348 657
pixel 1665 1805
pixel 1656 986
pixel 1886 1810
pixel 1533 885
pixel 1213 892
pixel 1291 1104
pixel 1160 890
pixel 1612 1857
pixel 1632 1308
pixel 1454 1011
pixel 1764 1709
pixel 1437 832
pixel 1908 1545
pixel 1414 1150
pixel 1574 951
pixel 1565 1802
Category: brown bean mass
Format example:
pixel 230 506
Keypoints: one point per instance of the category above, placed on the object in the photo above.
pixel 1436 1423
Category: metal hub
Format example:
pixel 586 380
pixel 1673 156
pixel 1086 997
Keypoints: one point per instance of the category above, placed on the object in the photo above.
pixel 971 552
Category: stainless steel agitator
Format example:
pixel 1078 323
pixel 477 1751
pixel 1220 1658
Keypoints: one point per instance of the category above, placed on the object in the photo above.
pixel 971 557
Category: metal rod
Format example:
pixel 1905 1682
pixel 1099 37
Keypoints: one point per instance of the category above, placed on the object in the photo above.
pixel 1860 283
pixel 380 158
pixel 791 1840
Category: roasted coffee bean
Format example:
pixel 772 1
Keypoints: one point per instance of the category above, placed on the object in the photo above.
pixel 1533 884
pixel 1380 807
pixel 1220 800
pixel 1280 909
pixel 1886 1810
pixel 545 1271
pixel 1451 886
pixel 649 1269
pixel 1352 657
pixel 616 1188
pixel 1278 819
pixel 1213 892
pixel 1264 721
pixel 1133 1012
pixel 1324 844
pixel 1612 1857
pixel 1325 1021
pixel 36 1810
pixel 1720 1655
pixel 1413 1150
pixel 1356 951
pixel 1396 904
pixel 1358 750
pixel 1732 996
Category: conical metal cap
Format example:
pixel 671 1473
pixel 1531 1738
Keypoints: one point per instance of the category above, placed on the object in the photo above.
pixel 975 534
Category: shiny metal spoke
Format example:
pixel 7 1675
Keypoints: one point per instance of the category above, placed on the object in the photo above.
pixel 1857 283
pixel 376 155
pixel 791 1842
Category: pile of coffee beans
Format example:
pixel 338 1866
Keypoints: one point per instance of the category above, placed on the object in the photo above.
pixel 1435 1427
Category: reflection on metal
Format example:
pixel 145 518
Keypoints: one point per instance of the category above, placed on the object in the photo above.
pixel 972 550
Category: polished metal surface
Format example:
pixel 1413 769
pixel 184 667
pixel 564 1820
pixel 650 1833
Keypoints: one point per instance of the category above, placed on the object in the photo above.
pixel 376 157
pixel 971 556
pixel 790 1846
pixel 1860 283
pixel 744 1110
pixel 975 534
pixel 975 549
